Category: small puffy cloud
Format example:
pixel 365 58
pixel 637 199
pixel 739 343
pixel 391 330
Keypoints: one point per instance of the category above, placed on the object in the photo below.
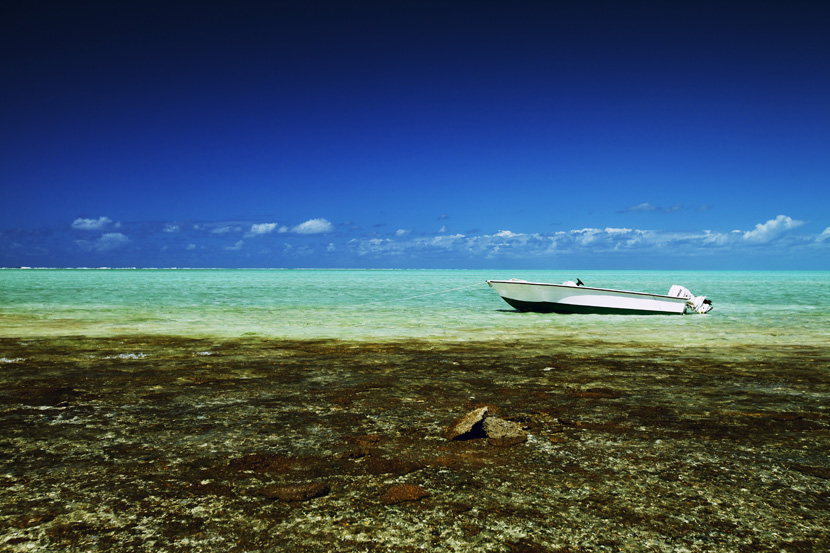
pixel 111 241
pixel 824 235
pixel 402 232
pixel 235 247
pixel 764 232
pixel 190 247
pixel 91 224
pixel 645 206
pixel 263 228
pixel 107 242
pixel 331 247
pixel 314 226
pixel 171 228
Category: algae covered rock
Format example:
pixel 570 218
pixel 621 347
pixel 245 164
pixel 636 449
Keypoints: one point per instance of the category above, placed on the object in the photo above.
pixel 503 433
pixel 478 424
pixel 294 492
pixel 402 493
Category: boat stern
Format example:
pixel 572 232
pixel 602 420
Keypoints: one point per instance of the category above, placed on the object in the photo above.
pixel 694 304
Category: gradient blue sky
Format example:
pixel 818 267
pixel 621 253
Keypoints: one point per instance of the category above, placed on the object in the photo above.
pixel 589 134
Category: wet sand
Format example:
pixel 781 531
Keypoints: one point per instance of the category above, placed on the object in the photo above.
pixel 174 444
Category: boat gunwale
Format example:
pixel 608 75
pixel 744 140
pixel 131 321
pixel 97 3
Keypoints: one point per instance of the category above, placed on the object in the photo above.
pixel 526 282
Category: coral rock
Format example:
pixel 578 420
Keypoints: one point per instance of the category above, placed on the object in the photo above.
pixel 294 492
pixel 403 492
pixel 503 433
pixel 464 427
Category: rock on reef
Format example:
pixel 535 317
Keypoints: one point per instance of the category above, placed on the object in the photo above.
pixel 477 424
pixel 294 492
pixel 503 433
pixel 463 428
pixel 403 492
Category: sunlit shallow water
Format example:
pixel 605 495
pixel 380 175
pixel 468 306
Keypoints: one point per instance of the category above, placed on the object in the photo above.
pixel 763 308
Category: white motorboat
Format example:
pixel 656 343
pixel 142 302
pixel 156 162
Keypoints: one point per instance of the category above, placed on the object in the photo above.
pixel 575 297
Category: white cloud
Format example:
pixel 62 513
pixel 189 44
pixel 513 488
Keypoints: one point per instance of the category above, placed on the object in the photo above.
pixel 225 229
pixel 263 228
pixel 764 232
pixel 107 242
pixel 506 244
pixel 111 241
pixel 314 226
pixel 715 238
pixel 646 206
pixel 91 224
pixel 452 239
pixel 779 234
pixel 379 246
pixel 585 236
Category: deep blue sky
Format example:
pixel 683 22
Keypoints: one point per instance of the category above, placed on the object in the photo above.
pixel 415 134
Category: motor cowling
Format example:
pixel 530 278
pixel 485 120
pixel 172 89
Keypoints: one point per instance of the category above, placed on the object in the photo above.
pixel 700 304
pixel 697 304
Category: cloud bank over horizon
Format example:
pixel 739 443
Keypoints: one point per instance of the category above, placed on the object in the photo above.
pixel 319 243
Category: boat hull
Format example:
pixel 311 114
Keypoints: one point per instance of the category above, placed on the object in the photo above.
pixel 558 298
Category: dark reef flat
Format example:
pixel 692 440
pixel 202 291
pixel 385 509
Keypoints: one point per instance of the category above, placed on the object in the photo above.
pixel 155 443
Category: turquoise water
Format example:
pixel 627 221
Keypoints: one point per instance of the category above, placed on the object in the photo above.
pixel 751 308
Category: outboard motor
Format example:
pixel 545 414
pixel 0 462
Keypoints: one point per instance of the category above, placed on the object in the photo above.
pixel 696 304
pixel 701 305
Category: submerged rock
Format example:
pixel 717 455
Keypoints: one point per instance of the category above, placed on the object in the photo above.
pixel 295 492
pixel 381 465
pixel 403 492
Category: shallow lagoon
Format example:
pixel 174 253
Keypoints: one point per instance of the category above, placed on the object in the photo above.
pixel 750 307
